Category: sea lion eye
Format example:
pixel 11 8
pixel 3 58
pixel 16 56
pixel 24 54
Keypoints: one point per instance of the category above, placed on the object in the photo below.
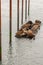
pixel 27 29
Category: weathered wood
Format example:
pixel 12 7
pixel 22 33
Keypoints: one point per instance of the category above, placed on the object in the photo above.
pixel 22 12
pixel 17 15
pixel 10 21
pixel 25 9
pixel 0 30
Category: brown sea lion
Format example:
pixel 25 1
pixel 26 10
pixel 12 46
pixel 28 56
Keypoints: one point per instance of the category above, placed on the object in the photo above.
pixel 36 25
pixel 29 29
pixel 27 25
pixel 29 33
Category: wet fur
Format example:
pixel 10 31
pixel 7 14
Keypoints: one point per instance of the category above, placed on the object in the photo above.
pixel 28 29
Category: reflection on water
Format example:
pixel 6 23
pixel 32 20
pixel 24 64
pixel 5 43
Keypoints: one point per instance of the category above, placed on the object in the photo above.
pixel 10 56
pixel 22 51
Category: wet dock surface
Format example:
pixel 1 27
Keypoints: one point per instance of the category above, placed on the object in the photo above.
pixel 22 51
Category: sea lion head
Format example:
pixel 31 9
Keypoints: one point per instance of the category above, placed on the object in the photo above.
pixel 29 22
pixel 38 21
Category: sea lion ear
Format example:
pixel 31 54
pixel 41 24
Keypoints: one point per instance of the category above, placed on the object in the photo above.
pixel 29 22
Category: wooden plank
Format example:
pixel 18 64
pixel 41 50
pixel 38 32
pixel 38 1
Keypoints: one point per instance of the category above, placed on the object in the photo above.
pixel 0 30
pixel 25 9
pixel 10 21
pixel 17 15
pixel 22 12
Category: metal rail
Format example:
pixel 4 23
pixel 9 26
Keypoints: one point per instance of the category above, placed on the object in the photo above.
pixel 0 30
pixel 10 21
pixel 22 12
pixel 10 26
pixel 25 9
pixel 28 6
pixel 17 15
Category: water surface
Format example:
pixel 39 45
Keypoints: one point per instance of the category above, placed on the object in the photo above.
pixel 23 51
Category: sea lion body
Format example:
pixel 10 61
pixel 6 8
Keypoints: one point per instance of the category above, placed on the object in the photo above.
pixel 29 29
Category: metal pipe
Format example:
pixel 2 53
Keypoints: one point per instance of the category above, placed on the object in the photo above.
pixel 10 21
pixel 25 9
pixel 28 6
pixel 17 15
pixel 0 30
pixel 22 12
